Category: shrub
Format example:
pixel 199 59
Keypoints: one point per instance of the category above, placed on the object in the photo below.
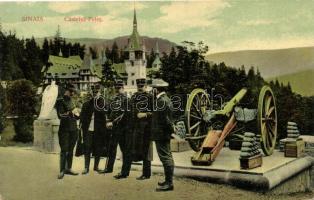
pixel 22 100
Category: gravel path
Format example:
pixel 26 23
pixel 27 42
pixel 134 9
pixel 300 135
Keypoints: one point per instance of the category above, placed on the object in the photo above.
pixel 26 174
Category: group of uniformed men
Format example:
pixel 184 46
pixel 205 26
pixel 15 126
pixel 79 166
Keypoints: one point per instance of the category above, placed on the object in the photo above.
pixel 130 123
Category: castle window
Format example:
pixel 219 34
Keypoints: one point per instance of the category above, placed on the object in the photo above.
pixel 133 82
pixel 132 74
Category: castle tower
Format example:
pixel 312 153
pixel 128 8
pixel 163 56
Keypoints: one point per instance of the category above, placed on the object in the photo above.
pixel 136 61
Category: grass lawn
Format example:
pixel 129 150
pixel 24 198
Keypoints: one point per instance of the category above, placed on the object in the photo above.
pixel 8 134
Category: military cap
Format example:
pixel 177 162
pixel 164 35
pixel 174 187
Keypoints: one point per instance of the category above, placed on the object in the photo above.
pixel 159 83
pixel 118 83
pixel 141 81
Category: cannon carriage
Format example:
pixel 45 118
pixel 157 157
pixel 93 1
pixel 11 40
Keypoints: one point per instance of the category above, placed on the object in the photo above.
pixel 207 127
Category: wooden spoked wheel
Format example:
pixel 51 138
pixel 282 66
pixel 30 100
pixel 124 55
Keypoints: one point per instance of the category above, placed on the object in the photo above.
pixel 267 120
pixel 197 105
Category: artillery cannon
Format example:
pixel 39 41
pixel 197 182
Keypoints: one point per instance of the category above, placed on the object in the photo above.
pixel 207 128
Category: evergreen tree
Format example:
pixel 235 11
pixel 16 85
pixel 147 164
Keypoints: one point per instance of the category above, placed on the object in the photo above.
pixel 114 55
pixel 45 51
pixel 108 75
pixel 151 58
pixel 32 63
pixel 93 52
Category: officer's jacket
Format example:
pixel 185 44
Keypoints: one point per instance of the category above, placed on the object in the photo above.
pixel 86 114
pixel 139 129
pixel 100 112
pixel 162 120
pixel 64 107
pixel 119 111
pixel 141 102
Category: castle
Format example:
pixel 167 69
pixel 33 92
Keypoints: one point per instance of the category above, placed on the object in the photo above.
pixel 84 73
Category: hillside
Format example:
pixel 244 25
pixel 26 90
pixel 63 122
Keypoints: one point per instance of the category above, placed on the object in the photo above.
pixel 301 82
pixel 271 63
pixel 164 45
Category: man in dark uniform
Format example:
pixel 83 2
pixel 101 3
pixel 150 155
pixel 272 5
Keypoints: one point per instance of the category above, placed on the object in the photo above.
pixel 88 128
pixel 138 139
pixel 118 123
pixel 162 128
pixel 67 130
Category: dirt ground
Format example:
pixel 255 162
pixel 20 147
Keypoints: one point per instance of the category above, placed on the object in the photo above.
pixel 26 174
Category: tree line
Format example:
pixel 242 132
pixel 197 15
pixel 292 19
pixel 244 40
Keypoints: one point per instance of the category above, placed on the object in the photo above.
pixel 24 58
pixel 118 54
pixel 186 68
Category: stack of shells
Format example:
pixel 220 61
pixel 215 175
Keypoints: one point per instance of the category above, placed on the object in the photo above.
pixel 293 131
pixel 292 135
pixel 249 146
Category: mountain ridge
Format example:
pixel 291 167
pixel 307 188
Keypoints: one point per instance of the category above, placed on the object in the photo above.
pixel 271 63
pixel 99 43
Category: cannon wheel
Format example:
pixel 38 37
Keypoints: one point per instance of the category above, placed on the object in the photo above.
pixel 267 120
pixel 197 104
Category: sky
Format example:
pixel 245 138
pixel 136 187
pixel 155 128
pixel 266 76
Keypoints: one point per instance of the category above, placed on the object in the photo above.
pixel 223 25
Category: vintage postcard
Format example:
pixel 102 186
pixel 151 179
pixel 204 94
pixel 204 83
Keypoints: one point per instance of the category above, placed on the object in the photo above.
pixel 133 100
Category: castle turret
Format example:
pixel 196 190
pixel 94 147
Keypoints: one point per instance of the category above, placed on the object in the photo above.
pixel 136 62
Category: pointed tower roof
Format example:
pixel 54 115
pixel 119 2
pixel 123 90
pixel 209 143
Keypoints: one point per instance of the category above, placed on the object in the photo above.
pixel 157 48
pixel 134 19
pixel 134 41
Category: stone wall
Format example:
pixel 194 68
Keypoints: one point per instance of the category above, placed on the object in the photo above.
pixel 309 150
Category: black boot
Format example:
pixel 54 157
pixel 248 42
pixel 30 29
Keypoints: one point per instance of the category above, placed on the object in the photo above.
pixel 96 163
pixel 62 165
pixel 146 170
pixel 109 167
pixel 120 176
pixel 162 183
pixel 69 170
pixel 168 184
pixel 87 162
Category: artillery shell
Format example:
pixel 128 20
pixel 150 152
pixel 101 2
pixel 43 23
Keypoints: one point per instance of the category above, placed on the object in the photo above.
pixel 249 134
pixel 256 152
pixel 292 124
pixel 246 149
pixel 292 127
pixel 247 144
pixel 293 131
pixel 247 139
pixel 293 135
pixel 245 154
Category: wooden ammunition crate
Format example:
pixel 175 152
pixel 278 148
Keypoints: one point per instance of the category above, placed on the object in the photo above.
pixel 294 148
pixel 179 146
pixel 252 162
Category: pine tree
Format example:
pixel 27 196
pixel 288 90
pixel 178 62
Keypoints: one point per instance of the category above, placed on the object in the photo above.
pixel 115 53
pixel 93 52
pixel 108 75
pixel 151 58
pixel 45 51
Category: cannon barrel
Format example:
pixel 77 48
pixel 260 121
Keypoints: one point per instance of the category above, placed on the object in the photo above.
pixel 228 108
